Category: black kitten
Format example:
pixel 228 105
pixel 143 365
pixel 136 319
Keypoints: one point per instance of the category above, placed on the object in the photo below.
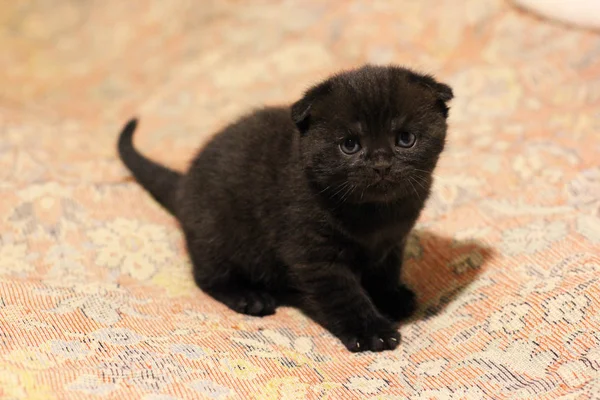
pixel 312 204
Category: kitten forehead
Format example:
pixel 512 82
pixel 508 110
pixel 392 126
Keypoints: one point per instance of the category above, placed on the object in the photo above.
pixel 383 83
pixel 396 123
pixel 360 127
pixel 374 79
pixel 374 96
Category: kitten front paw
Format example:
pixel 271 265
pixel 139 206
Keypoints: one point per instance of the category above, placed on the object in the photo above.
pixel 381 338
pixel 398 303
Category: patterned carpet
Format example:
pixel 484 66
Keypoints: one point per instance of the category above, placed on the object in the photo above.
pixel 96 299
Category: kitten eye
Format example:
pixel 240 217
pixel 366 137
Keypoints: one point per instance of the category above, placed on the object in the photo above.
pixel 406 139
pixel 350 145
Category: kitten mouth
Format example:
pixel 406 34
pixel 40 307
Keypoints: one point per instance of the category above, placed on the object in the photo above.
pixel 382 186
pixel 382 182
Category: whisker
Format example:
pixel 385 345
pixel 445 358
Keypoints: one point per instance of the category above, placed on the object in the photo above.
pixel 324 190
pixel 347 193
pixel 420 183
pixel 410 180
pixel 428 173
pixel 339 189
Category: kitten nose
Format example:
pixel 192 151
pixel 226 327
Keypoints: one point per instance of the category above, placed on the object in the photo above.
pixel 382 170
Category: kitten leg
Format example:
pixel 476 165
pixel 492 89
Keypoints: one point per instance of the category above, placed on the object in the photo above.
pixel 334 297
pixel 224 284
pixel 245 300
pixel 383 284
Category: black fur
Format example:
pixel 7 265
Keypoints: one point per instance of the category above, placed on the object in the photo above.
pixel 159 181
pixel 272 209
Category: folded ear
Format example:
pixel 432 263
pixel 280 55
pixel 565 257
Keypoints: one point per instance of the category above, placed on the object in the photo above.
pixel 302 108
pixel 442 92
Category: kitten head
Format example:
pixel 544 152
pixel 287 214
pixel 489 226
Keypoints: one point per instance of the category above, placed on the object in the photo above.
pixel 373 134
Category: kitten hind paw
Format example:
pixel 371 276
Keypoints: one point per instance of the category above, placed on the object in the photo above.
pixel 251 302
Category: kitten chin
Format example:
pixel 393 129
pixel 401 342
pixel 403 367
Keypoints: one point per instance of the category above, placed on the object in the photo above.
pixel 312 204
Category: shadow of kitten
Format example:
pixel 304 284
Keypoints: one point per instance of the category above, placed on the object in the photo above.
pixel 440 268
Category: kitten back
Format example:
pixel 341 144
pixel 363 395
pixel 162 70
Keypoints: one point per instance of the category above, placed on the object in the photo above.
pixel 158 180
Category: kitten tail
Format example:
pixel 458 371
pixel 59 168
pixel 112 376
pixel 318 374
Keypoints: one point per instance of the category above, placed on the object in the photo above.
pixel 159 181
